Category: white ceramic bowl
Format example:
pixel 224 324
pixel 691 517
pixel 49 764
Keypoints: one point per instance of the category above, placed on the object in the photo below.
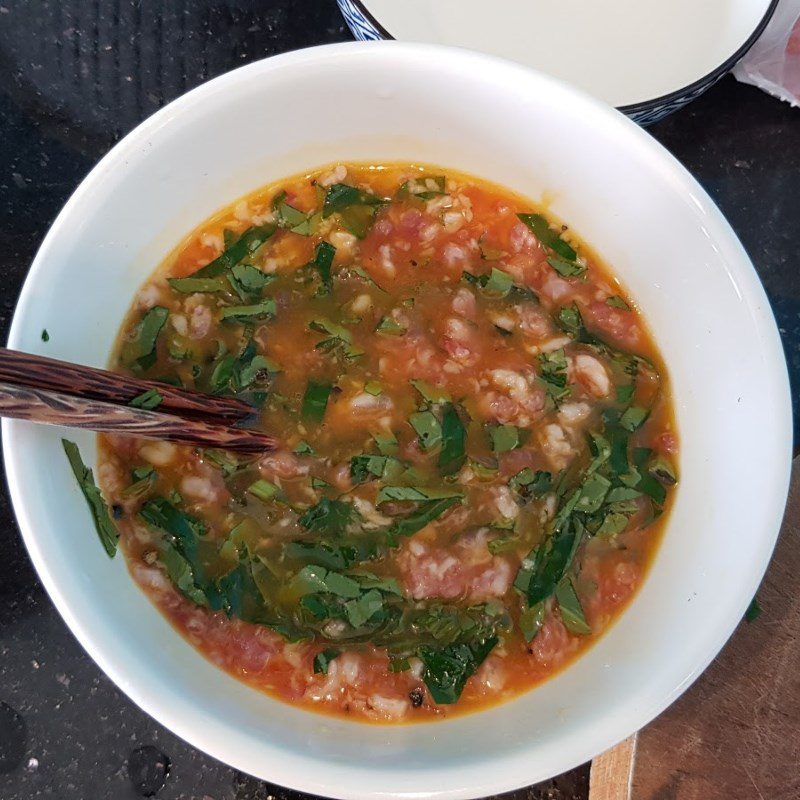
pixel 625 194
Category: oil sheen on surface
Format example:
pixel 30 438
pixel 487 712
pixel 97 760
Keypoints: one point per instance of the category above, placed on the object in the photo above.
pixel 478 447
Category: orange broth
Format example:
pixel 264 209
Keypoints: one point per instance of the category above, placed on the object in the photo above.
pixel 474 372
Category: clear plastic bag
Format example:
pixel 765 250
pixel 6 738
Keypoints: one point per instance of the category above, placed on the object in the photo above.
pixel 773 63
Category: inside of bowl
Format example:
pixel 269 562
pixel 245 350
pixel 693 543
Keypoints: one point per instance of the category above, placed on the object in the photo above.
pixel 621 51
pixel 601 175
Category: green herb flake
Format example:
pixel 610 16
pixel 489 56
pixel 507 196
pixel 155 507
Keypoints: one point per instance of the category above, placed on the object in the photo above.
pixel 387 444
pixel 356 208
pixel 97 505
pixel 663 470
pixel 373 387
pixel 329 516
pixel 625 393
pixel 499 283
pixel 303 448
pixel 503 438
pixel 617 302
pixel 571 609
pixel 547 236
pixel 192 285
pixel 148 400
pixel 593 493
pixel 446 670
pixel 141 349
pixel 454 436
pixel 390 327
pixel 322 660
pixel 315 401
pixel 322 262
pixel 567 269
pixel 362 609
pixel 244 314
pixel 753 612
pixel 427 428
pixel 633 418
pixel 432 394
pixel 263 490
pixel 531 620
pixel 45 335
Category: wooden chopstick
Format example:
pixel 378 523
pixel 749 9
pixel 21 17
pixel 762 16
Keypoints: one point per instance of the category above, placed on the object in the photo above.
pixel 55 392
pixel 49 374
pixel 55 408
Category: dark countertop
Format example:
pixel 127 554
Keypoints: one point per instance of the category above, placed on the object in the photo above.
pixel 75 76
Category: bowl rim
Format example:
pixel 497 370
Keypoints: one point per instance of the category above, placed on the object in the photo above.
pixel 641 106
pixel 347 781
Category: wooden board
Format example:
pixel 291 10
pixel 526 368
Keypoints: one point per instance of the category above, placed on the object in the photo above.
pixel 735 735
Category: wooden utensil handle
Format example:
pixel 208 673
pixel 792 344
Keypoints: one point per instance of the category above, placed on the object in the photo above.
pixel 54 408
pixel 49 374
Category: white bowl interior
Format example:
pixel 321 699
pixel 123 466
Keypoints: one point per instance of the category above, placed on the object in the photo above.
pixel 614 185
pixel 621 51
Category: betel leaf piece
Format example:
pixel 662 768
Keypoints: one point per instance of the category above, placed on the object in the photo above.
pixel 613 523
pixel 545 566
pixel 246 244
pixel 531 620
pixel 147 400
pixel 101 517
pixel 625 393
pixel 373 387
pixel 193 285
pixel 446 670
pixel 553 374
pixel 387 444
pixel 389 327
pixel 425 514
pixel 547 236
pixel 454 435
pixel 322 262
pixel 183 530
pixel 753 612
pixel 356 208
pixel 662 469
pixel 263 490
pixel 180 572
pixel 416 494
pixel 427 428
pixel 633 418
pixel 567 269
pixel 329 516
pixel 504 438
pixel 498 284
pixel 363 608
pixel 430 393
pixel 569 605
pixel 323 659
pixel 140 351
pixel 531 484
pixel 593 492
pixel 244 314
pixel 369 467
pixel 315 401
pixel 617 302
pixel 248 281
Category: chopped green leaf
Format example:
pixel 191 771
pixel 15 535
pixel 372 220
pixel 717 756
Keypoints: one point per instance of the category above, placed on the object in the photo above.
pixel 192 285
pixel 45 335
pixel 315 400
pixel 323 260
pixel 414 493
pixel 322 660
pixel 329 516
pixel 263 490
pixel 547 236
pixel 531 620
pixel 433 394
pixel 567 269
pixel 499 283
pixel 387 444
pixel 356 209
pixel 424 515
pixel 571 609
pixel 245 245
pixel 531 484
pixel 361 609
pixel 242 314
pixel 553 374
pixel 633 417
pixel 662 469
pixel 303 448
pixel 504 438
pixel 427 428
pixel 753 612
pixel 613 523
pixel 454 435
pixel 617 302
pixel 390 327
pixel 373 387
pixel 593 493
pixel 625 393
pixel 141 349
pixel 446 670
pixel 97 505
pixel 368 467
